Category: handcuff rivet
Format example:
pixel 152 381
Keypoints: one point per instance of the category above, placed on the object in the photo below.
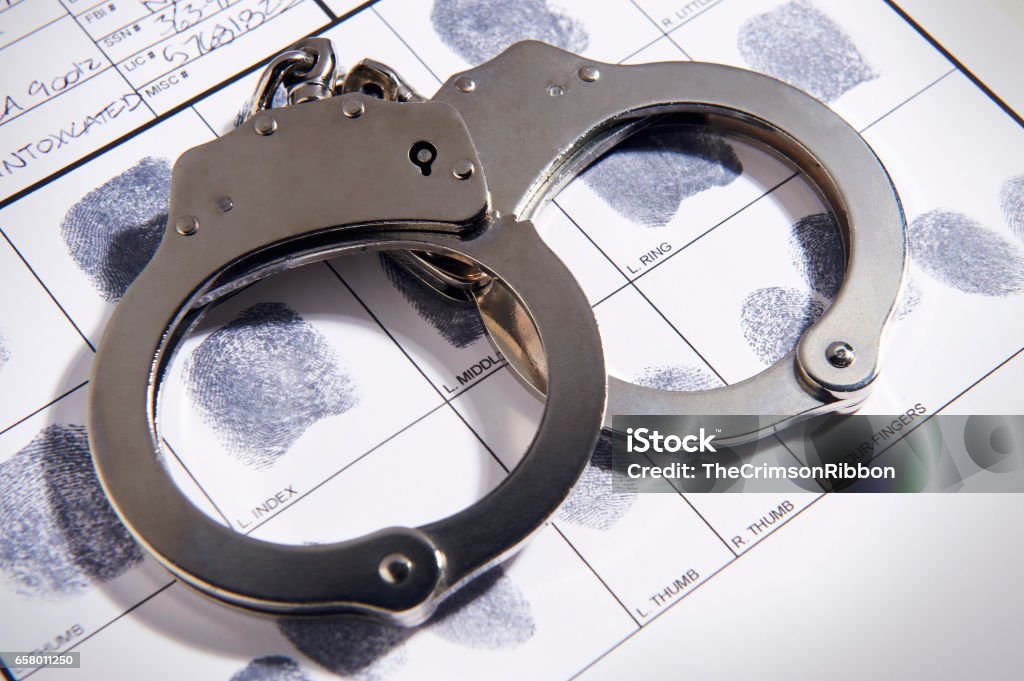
pixel 224 204
pixel 264 124
pixel 463 170
pixel 840 354
pixel 353 108
pixel 465 84
pixel 186 225
pixel 395 568
pixel 556 90
pixel 589 73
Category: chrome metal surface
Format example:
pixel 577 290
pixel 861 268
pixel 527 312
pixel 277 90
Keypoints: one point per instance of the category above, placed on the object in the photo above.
pixel 378 80
pixel 284 218
pixel 352 108
pixel 503 138
pixel 306 70
pixel 513 92
pixel 264 124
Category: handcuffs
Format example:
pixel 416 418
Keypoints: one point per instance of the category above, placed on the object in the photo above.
pixel 359 162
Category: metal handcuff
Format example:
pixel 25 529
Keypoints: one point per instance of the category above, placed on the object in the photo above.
pixel 359 162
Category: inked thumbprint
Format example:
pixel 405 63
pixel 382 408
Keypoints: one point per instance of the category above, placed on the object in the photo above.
pixel 271 668
pixel 263 379
pixel 347 645
pixel 774 318
pixel 909 299
pixel 799 44
pixel 489 613
pixel 58 534
pixel 678 377
pixel 114 230
pixel 602 496
pixel 816 248
pixel 648 176
pixel 477 30
pixel 5 354
pixel 458 322
pixel 964 255
pixel 1011 199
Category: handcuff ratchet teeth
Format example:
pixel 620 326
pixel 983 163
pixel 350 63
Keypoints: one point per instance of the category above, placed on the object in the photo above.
pixel 340 170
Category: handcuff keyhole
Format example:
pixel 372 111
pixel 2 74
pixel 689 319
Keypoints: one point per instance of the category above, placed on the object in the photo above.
pixel 422 155
pixel 373 90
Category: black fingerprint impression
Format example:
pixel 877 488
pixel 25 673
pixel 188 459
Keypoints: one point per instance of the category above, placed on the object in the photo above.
pixel 5 354
pixel 113 232
pixel 271 668
pixel 964 255
pixel 602 496
pixel 263 379
pixel 817 251
pixel 774 318
pixel 799 44
pixel 489 613
pixel 477 30
pixel 645 178
pixel 458 322
pixel 1011 199
pixel 58 534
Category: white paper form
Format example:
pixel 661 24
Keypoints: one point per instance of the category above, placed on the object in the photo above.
pixel 79 74
pixel 704 258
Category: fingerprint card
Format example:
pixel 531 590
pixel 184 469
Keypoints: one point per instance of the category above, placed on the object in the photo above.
pixel 751 286
pixel 282 386
pixel 394 485
pixel 964 202
pixel 514 621
pixel 90 233
pixel 364 35
pixel 444 336
pixel 860 58
pixel 67 565
pixel 338 398
pixel 596 274
pixel 34 330
pixel 650 549
pixel 453 35
pixel 663 188
pixel 641 346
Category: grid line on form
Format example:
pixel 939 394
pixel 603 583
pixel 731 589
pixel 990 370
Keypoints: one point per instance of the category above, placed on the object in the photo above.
pixel 344 468
pixel 407 46
pixel 157 119
pixel 29 34
pixel 476 434
pixel 45 288
pixel 127 611
pixel 663 32
pixel 686 595
pixel 143 86
pixel 193 478
pixel 38 105
pixel 44 407
pixel 980 84
pixel 105 55
pixel 327 10
pixel 641 293
pixel 579 554
pixel 905 433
